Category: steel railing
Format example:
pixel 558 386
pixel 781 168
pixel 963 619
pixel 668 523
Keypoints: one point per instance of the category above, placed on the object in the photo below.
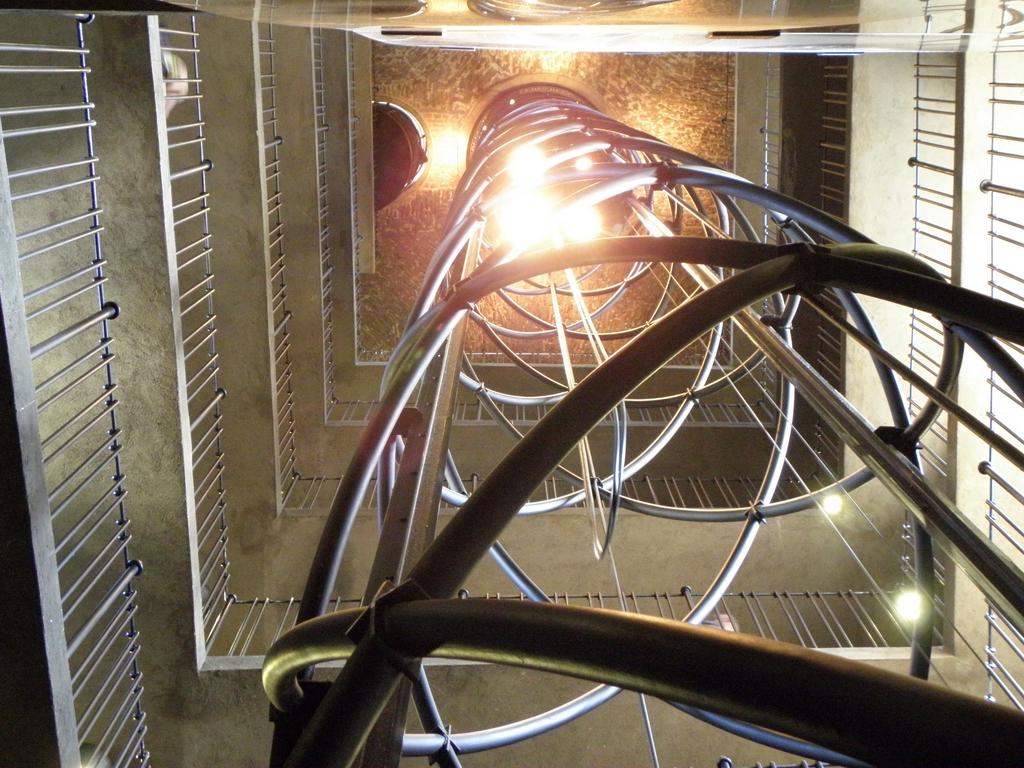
pixel 54 176
pixel 1004 504
pixel 935 211
pixel 277 278
pixel 474 414
pixel 188 168
pixel 839 619
pixel 321 131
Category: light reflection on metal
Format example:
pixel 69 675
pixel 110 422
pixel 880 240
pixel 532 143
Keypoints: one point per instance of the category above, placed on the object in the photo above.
pixel 544 10
pixel 896 25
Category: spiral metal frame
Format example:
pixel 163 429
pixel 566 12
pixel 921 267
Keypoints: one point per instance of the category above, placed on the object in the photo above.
pixel 730 271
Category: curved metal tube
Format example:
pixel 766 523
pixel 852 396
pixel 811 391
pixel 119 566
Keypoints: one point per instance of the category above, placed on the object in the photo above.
pixel 883 718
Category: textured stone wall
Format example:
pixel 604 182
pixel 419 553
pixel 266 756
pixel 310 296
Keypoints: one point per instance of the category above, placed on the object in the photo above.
pixel 685 99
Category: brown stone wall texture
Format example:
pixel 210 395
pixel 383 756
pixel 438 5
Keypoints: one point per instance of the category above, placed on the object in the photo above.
pixel 684 99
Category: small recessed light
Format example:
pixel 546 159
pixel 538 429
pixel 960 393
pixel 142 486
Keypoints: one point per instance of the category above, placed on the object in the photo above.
pixel 909 605
pixel 832 504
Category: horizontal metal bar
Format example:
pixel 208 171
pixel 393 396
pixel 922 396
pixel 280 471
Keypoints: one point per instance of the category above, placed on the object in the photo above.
pixel 1005 137
pixel 121 715
pixel 185 32
pixel 36 130
pixel 41 169
pixel 217 596
pixel 204 298
pixel 186 142
pixel 132 752
pixel 916 163
pixel 115 451
pixel 200 284
pixel 108 312
pixel 133 569
pixel 192 260
pixel 989 186
pixel 209 372
pixel 104 360
pixel 36 292
pixel 197 199
pixel 85 234
pixel 130 714
pixel 219 395
pixel 283 323
pixel 89 577
pixel 109 404
pixel 201 344
pixel 101 516
pixel 119 623
pixel 214 557
pixel 94 284
pixel 37 70
pixel 207 323
pixel 209 523
pixel 206 165
pixel 35 48
pixel 42 109
pixel 989 568
pixel 55 188
pixel 202 451
pixel 121 662
pixel 208 483
pixel 185 126
pixel 190 216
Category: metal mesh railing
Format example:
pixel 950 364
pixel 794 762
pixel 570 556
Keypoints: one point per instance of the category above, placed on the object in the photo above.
pixel 188 166
pixel 53 173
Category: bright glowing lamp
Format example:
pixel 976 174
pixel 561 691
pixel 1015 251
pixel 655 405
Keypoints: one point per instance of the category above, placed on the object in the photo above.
pixel 524 220
pixel 832 504
pixel 526 164
pixel 581 224
pixel 583 163
pixel 909 605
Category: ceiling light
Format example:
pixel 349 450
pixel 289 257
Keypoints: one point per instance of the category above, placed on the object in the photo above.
pixel 524 220
pixel 526 164
pixel 909 605
pixel 581 224
pixel 832 504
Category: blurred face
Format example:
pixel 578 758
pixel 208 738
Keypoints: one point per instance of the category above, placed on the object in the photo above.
pixel 175 71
